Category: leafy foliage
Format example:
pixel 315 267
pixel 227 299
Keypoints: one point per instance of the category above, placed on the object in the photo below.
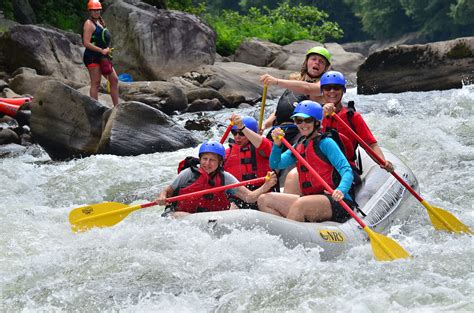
pixel 462 12
pixel 282 25
pixel 71 16
pixel 437 19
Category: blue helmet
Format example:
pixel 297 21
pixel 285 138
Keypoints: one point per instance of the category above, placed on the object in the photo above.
pixel 249 123
pixel 212 146
pixel 308 108
pixel 333 78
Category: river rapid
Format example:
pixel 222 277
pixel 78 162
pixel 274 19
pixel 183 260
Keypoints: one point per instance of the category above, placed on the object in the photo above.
pixel 149 263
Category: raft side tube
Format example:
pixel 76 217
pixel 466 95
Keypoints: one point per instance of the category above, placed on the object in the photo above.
pixel 16 101
pixel 9 109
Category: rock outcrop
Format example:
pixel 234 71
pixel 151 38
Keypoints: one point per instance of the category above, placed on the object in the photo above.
pixel 134 128
pixel 153 44
pixel 163 96
pixel 435 66
pixel 50 52
pixel 64 122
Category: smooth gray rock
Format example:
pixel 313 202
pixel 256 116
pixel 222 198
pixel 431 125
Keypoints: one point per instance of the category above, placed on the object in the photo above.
pixel 155 44
pixel 66 123
pixel 49 51
pixel 435 66
pixel 135 128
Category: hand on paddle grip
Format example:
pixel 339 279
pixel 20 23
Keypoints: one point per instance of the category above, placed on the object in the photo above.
pixel 329 109
pixel 270 179
pixel 277 134
pixel 388 166
pixel 236 120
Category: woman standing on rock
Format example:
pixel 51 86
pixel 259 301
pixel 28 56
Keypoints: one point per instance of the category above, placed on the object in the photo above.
pixel 96 40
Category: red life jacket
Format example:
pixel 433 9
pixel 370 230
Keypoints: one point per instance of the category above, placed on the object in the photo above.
pixel 246 163
pixel 350 143
pixel 211 202
pixel 308 183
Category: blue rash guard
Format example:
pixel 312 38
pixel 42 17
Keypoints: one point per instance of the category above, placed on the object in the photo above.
pixel 331 150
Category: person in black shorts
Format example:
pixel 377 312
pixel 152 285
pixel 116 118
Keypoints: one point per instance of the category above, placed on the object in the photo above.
pixel 96 40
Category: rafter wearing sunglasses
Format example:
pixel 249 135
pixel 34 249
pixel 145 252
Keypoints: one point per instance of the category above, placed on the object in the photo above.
pixel 332 87
pixel 237 132
pixel 308 120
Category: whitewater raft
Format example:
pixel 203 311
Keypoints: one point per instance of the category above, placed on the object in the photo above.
pixel 380 196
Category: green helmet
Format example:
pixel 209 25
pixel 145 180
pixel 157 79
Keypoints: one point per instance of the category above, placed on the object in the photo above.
pixel 321 51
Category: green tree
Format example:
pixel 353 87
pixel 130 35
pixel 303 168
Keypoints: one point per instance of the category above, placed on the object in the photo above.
pixel 382 18
pixel 462 12
pixel 282 25
pixel 435 19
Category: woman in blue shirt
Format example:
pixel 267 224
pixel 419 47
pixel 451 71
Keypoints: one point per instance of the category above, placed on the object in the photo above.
pixel 327 159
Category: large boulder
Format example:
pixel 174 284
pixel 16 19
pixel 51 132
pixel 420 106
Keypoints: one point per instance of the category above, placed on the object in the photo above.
pixel 163 96
pixel 64 122
pixel 368 47
pixel 28 82
pixel 135 128
pixel 49 51
pixel 435 66
pixel 257 52
pixel 153 44
pixel 236 82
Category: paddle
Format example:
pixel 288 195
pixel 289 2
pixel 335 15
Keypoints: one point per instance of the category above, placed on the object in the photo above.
pixel 384 248
pixel 110 213
pixel 262 108
pixel 226 133
pixel 441 219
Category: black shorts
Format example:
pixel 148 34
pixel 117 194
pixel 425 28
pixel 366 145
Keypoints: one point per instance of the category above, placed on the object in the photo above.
pixel 339 214
pixel 91 60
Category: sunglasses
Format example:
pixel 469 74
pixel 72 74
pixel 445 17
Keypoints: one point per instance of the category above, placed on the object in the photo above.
pixel 237 132
pixel 307 120
pixel 332 87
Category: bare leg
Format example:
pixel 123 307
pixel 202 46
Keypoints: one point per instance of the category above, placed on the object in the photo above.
pixel 95 75
pixel 292 184
pixel 114 92
pixel 313 208
pixel 276 203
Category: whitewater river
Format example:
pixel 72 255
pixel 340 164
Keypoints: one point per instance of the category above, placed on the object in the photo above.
pixel 148 263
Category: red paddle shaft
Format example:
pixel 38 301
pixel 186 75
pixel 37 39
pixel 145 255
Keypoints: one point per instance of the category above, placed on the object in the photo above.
pixel 376 156
pixel 203 192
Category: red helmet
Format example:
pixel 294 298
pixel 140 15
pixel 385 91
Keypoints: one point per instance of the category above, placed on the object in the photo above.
pixel 94 5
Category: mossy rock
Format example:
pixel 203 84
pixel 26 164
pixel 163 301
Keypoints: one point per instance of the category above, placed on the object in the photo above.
pixel 460 51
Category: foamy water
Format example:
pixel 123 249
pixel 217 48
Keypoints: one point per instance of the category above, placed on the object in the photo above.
pixel 147 263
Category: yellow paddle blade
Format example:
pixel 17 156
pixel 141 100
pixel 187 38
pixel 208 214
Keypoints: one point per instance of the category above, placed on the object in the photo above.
pixel 443 220
pixel 384 248
pixel 98 215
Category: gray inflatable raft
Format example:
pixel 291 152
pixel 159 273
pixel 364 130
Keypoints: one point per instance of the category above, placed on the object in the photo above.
pixel 380 196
